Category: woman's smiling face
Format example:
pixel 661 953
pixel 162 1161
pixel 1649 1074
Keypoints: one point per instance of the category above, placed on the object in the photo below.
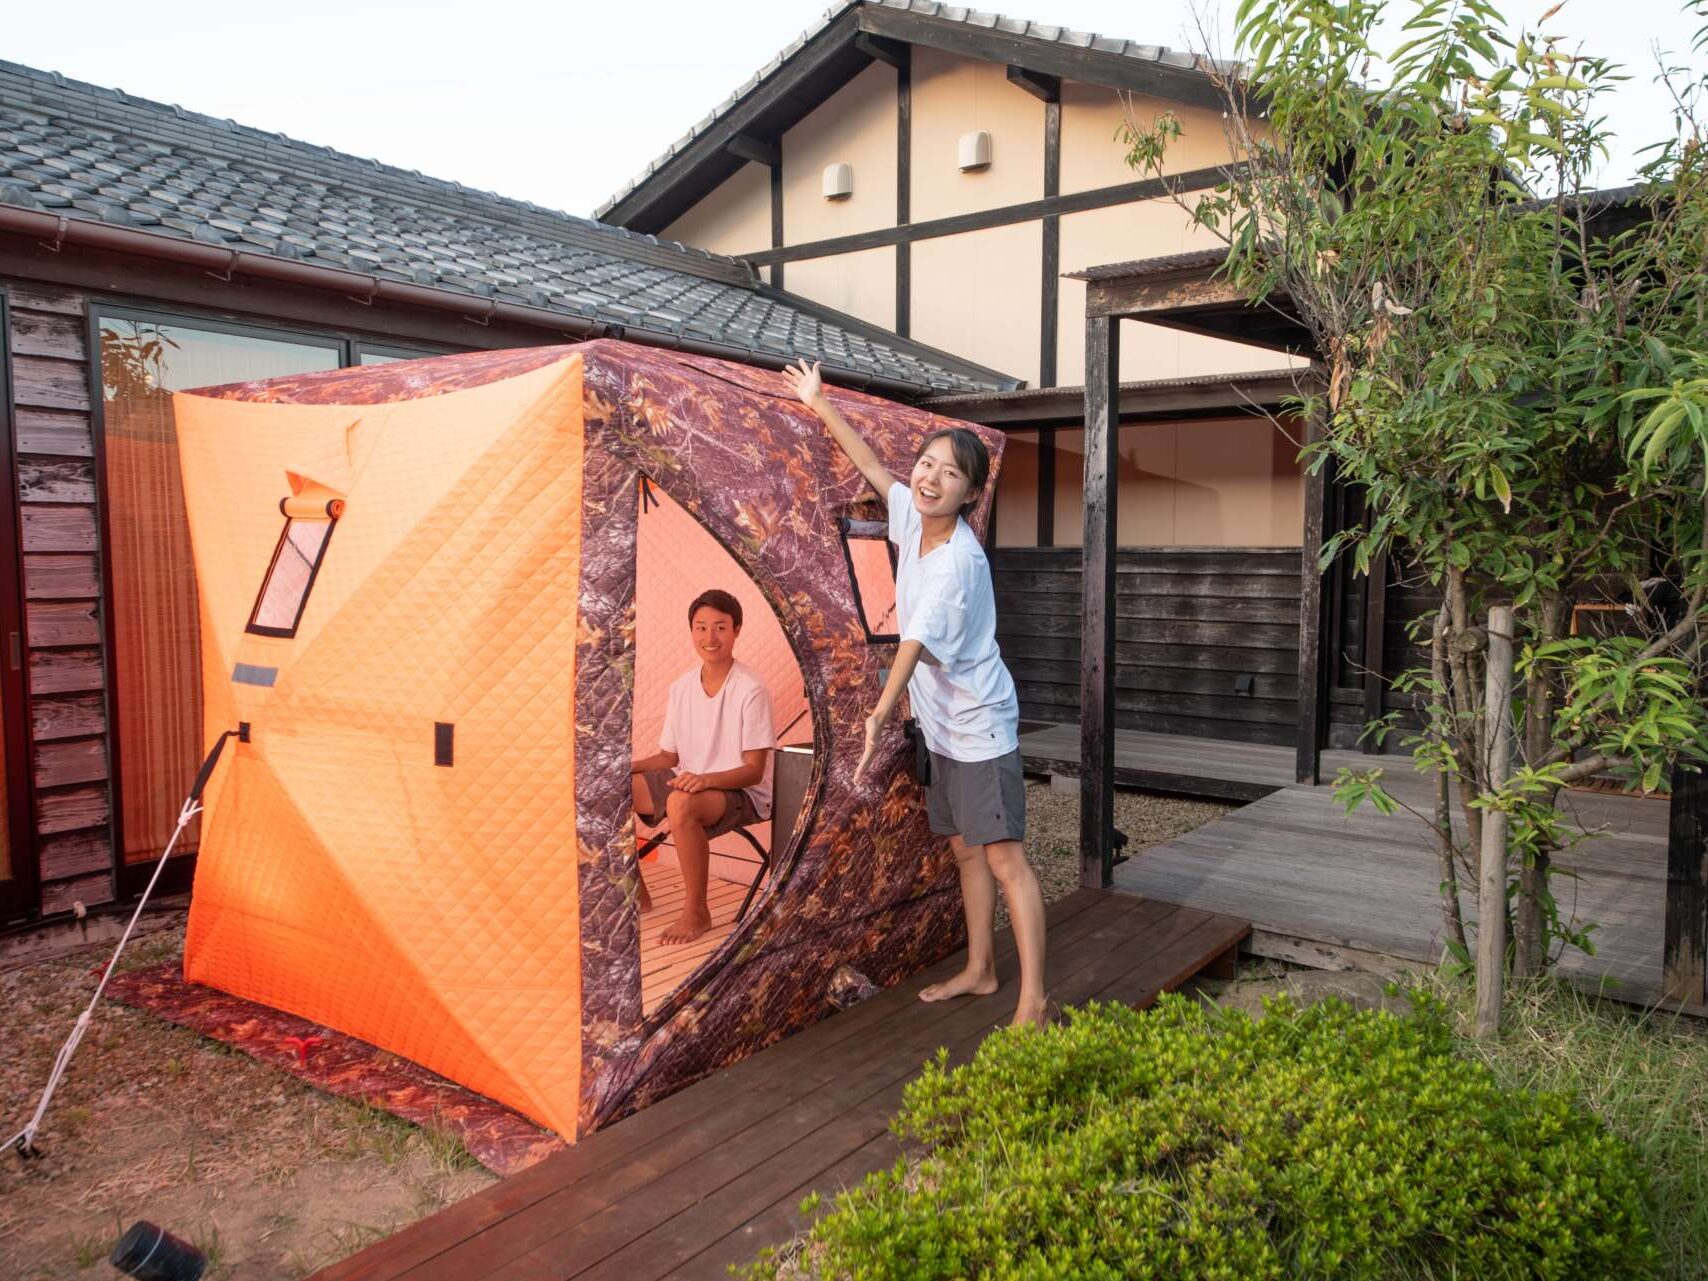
pixel 939 486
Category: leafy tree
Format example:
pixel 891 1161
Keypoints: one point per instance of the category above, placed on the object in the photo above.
pixel 1515 376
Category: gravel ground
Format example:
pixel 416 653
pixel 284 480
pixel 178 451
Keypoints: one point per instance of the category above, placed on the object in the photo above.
pixel 1052 831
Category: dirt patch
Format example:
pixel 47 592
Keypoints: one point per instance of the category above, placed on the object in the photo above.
pixel 269 1178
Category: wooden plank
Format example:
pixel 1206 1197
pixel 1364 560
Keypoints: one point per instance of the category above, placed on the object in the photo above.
pixel 1018 649
pixel 1684 948
pixel 1046 522
pixel 54 431
pixel 1169 631
pixel 47 334
pixel 75 854
pixel 1049 315
pixel 776 222
pixel 59 716
pixel 45 383
pixel 1130 585
pixel 82 760
pixel 71 810
pixel 65 671
pixel 61 577
pixel 1375 638
pixel 58 529
pixel 56 624
pixel 56 480
pixel 1161 607
pixel 64 896
pixel 714 1103
pixel 30 297
pixel 1098 628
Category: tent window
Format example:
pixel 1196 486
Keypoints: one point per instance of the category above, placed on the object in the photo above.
pixel 872 567
pixel 296 561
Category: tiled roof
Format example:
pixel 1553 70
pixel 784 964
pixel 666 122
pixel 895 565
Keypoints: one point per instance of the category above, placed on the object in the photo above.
pixel 1150 53
pixel 85 152
pixel 1192 260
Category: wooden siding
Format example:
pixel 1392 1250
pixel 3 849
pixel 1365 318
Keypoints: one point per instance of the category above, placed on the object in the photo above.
pixel 1189 622
pixel 63 635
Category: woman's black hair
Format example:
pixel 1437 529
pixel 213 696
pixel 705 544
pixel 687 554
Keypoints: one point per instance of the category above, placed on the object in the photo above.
pixel 971 457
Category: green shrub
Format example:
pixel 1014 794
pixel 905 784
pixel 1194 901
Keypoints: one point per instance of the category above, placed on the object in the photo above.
pixel 1197 1144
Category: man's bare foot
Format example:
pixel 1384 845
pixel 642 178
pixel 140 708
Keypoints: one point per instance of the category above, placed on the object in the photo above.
pixel 966 983
pixel 688 927
pixel 644 898
pixel 1032 1013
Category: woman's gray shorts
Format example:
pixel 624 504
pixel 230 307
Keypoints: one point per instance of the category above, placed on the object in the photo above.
pixel 979 801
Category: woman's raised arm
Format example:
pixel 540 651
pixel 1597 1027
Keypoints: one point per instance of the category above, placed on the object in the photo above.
pixel 810 388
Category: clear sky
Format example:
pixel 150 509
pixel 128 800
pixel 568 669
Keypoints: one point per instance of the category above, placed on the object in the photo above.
pixel 563 103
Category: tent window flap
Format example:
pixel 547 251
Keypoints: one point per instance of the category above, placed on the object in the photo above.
pixel 296 560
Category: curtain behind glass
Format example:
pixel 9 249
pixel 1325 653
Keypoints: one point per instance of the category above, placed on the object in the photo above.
pixel 156 661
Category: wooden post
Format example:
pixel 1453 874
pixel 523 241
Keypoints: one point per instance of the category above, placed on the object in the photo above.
pixel 1097 583
pixel 1684 957
pixel 1375 647
pixel 1312 688
pixel 1491 877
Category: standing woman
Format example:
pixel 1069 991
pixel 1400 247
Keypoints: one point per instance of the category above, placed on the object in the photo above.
pixel 961 693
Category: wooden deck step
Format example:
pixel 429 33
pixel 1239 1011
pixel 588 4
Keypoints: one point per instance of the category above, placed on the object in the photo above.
pixel 709 1175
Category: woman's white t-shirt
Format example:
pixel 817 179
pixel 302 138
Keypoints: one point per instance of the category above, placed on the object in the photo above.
pixel 962 694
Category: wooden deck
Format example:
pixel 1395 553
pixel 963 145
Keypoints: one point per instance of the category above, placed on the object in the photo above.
pixel 1216 769
pixel 707 1176
pixel 663 968
pixel 1324 888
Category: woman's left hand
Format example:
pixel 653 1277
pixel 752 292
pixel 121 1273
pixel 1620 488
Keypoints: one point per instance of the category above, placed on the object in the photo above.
pixel 874 727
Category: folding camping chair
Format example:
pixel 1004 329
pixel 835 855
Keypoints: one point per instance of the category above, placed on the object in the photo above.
pixel 791 773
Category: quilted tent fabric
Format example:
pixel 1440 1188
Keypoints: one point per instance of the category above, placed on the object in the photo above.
pixel 479 917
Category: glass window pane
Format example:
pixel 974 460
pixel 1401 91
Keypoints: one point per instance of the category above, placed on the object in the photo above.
pixel 157 655
pixel 286 587
pixel 1017 491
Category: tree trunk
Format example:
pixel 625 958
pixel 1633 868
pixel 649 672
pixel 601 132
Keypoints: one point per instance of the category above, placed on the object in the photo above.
pixel 1491 878
pixel 1451 916
pixel 1530 941
pixel 1462 702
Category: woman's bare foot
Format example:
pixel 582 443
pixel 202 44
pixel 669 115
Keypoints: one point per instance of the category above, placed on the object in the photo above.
pixel 644 898
pixel 1033 1013
pixel 966 983
pixel 688 927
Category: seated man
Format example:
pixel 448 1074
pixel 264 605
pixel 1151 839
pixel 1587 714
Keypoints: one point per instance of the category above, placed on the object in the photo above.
pixel 717 738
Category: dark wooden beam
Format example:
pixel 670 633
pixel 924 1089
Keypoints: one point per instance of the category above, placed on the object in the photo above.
pixel 979 220
pixel 1047 489
pixel 777 222
pixel 1684 954
pixel 760 152
pixel 1070 62
pixel 1052 248
pixel 904 198
pixel 1173 291
pixel 1050 407
pixel 1375 661
pixel 1042 87
pixel 1313 688
pixel 1097 634
pixel 890 52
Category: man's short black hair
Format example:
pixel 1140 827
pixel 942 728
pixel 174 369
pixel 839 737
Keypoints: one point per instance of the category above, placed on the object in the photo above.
pixel 721 601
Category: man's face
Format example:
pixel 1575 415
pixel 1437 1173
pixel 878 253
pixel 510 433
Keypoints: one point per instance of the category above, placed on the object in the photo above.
pixel 714 634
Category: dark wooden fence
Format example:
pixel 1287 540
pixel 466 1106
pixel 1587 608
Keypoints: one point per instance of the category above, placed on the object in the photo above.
pixel 1206 639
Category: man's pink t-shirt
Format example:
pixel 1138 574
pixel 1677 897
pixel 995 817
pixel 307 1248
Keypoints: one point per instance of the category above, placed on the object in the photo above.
pixel 709 734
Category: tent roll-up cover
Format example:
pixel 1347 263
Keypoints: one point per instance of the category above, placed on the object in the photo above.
pixel 418 589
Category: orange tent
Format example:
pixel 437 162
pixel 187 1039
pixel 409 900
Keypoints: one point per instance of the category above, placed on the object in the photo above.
pixel 419 587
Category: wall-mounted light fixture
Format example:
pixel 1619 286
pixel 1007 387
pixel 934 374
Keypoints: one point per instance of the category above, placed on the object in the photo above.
pixel 974 151
pixel 838 181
